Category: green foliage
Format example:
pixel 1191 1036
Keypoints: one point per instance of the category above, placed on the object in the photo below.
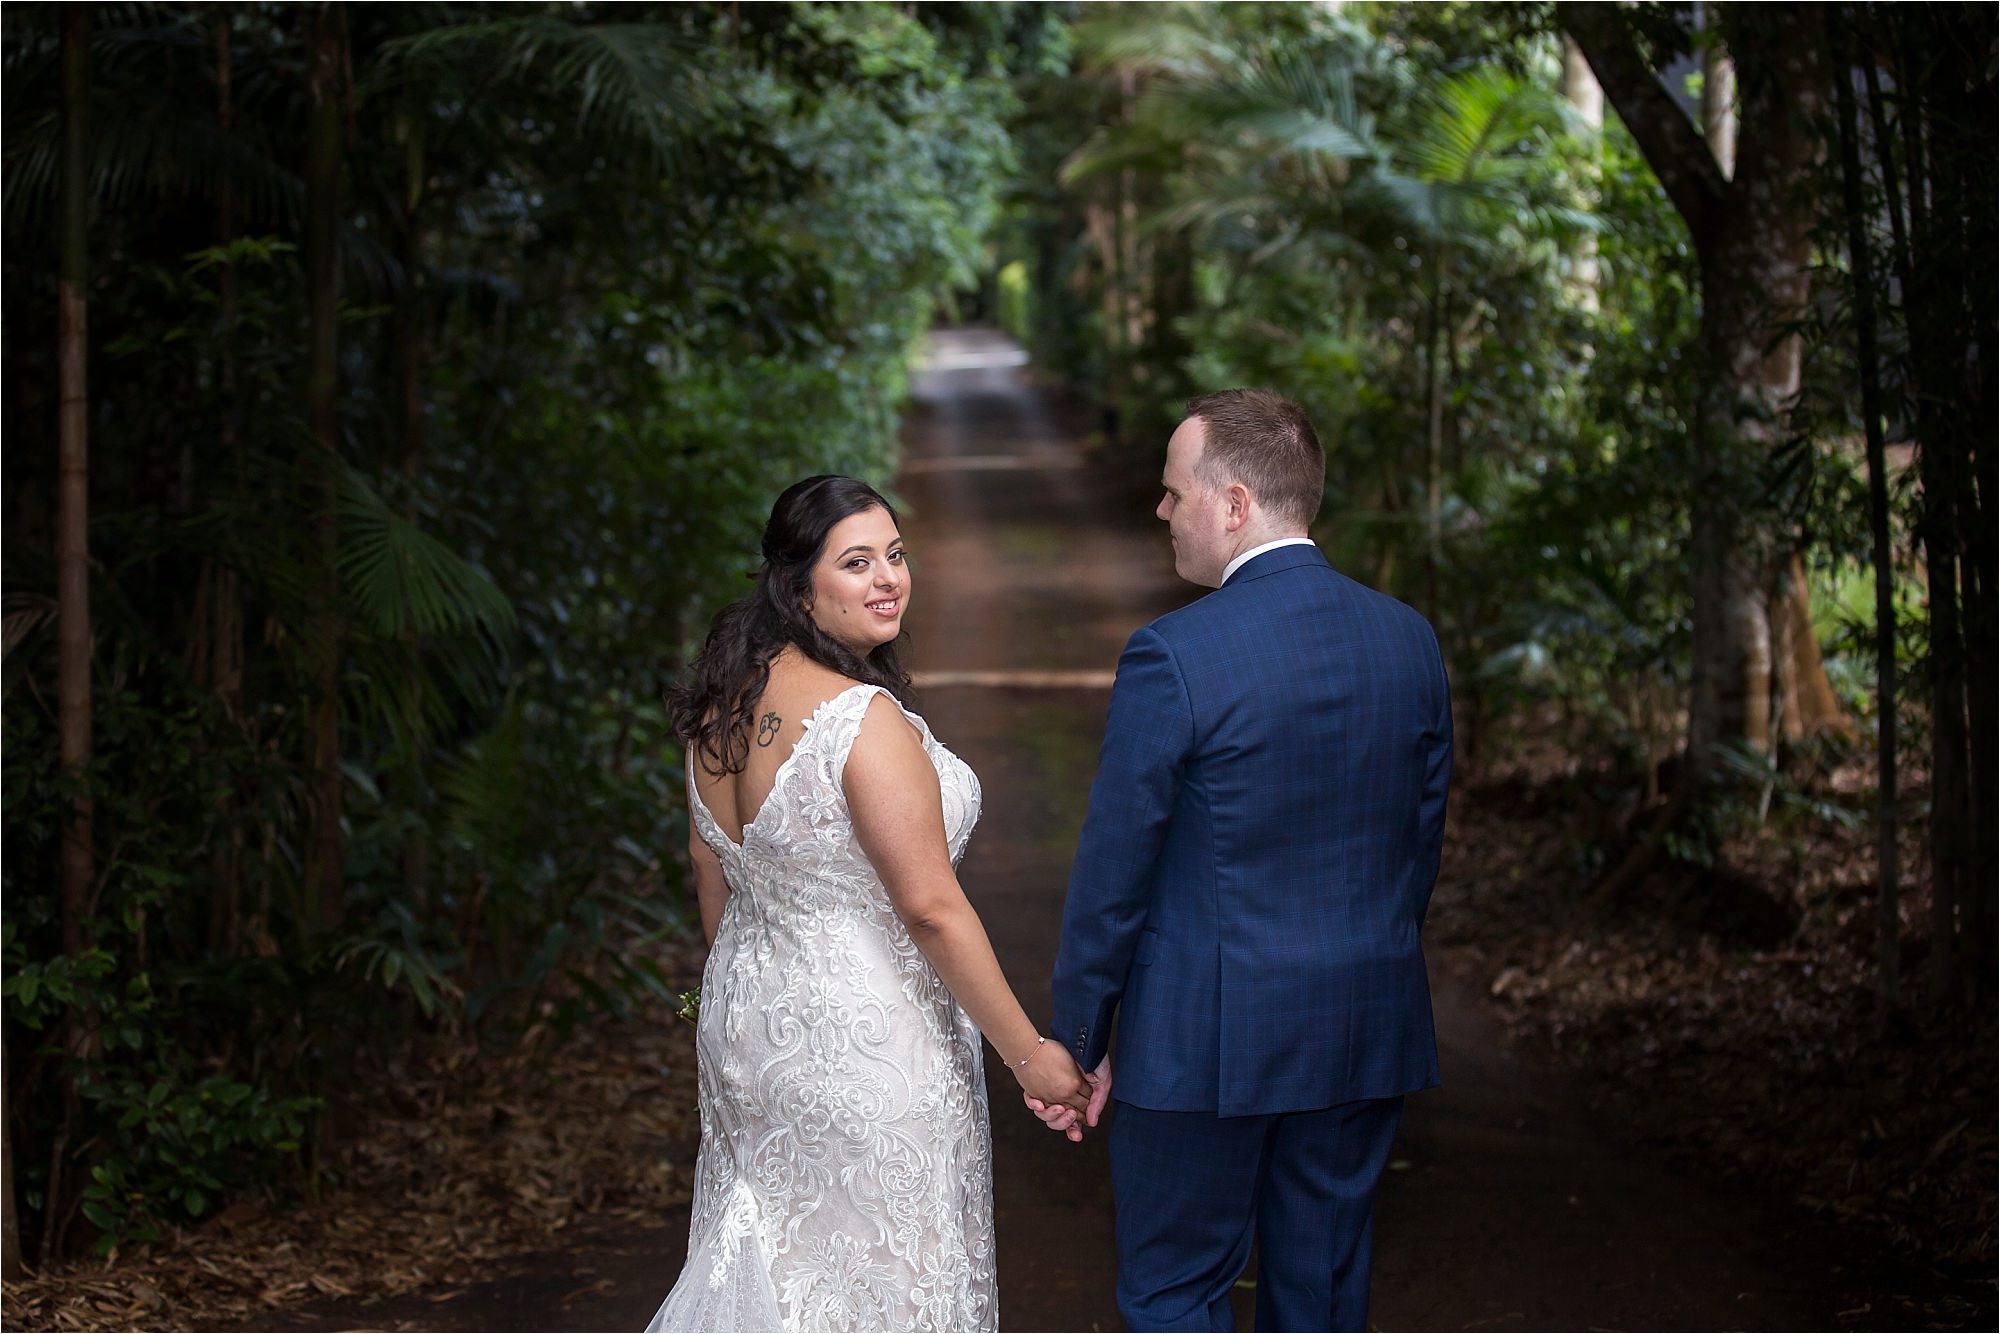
pixel 1582 578
pixel 180 1142
pixel 1014 311
pixel 1391 221
pixel 1491 311
pixel 611 279
pixel 401 578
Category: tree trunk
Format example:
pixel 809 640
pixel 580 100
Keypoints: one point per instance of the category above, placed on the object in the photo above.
pixel 410 356
pixel 1930 309
pixel 226 624
pixel 1951 806
pixel 223 669
pixel 1732 622
pixel 1963 186
pixel 1942 242
pixel 1805 703
pixel 1173 295
pixel 73 517
pixel 1580 89
pixel 1718 105
pixel 1752 233
pixel 1434 395
pixel 324 876
pixel 1807 706
pixel 73 684
pixel 1889 931
pixel 1132 266
pixel 11 1268
pixel 1730 701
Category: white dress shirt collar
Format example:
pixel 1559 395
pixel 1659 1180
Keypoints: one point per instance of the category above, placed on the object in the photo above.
pixel 1255 552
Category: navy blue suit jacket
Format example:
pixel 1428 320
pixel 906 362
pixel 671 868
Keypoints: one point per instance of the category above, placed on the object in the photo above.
pixel 1262 839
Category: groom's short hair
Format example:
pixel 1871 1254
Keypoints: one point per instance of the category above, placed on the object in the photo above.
pixel 1263 440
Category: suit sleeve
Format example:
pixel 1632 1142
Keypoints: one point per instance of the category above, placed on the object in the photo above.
pixel 1437 779
pixel 1147 742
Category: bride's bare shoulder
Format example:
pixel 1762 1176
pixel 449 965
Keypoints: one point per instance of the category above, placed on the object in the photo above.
pixel 802 683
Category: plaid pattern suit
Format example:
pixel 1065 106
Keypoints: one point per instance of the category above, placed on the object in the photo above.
pixel 1262 838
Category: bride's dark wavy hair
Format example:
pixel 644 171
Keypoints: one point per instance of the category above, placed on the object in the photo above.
pixel 714 709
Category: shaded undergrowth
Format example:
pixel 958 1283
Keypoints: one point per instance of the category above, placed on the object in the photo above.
pixel 1729 1013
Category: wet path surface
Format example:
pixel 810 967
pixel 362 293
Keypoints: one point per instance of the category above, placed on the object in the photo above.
pixel 1027 564
pixel 1509 1207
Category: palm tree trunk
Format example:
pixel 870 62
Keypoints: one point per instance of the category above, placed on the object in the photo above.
pixel 73 569
pixel 73 519
pixel 224 667
pixel 410 353
pixel 1434 392
pixel 1889 910
pixel 324 878
pixel 1131 267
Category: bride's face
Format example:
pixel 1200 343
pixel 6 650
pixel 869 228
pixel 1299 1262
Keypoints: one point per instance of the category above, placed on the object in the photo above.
pixel 860 585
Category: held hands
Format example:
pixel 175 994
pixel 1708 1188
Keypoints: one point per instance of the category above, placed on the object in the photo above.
pixel 1069 1119
pixel 1050 1077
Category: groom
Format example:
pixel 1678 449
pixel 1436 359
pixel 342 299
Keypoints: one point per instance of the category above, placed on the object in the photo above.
pixel 1262 839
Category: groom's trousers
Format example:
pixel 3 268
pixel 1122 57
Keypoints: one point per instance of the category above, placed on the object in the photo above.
pixel 1193 1189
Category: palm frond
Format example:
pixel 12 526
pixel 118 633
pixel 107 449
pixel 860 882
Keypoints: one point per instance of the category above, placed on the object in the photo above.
pixel 485 789
pixel 401 577
pixel 1227 200
pixel 1175 45
pixel 636 81
pixel 417 694
pixel 1290 103
pixel 1111 148
pixel 1468 128
pixel 152 149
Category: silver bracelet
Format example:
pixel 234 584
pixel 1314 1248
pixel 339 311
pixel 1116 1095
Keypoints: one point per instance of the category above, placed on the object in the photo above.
pixel 1016 1065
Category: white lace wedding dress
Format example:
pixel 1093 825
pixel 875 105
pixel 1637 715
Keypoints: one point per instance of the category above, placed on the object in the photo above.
pixel 845 1178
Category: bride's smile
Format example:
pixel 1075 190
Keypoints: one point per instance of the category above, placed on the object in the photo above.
pixel 861 585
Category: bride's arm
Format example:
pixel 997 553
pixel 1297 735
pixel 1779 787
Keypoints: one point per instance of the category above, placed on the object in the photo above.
pixel 711 891
pixel 898 812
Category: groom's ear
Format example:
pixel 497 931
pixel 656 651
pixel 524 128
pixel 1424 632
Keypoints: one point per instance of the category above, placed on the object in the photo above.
pixel 1236 506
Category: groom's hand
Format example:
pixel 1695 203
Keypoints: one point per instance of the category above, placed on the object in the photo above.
pixel 1100 1090
pixel 1065 1119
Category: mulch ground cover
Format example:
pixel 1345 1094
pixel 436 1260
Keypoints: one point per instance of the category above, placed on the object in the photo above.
pixel 1729 1016
pixel 462 1162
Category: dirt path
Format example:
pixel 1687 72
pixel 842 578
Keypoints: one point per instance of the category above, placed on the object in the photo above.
pixel 1508 1207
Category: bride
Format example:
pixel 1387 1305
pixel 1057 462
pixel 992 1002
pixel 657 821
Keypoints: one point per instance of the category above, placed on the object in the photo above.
pixel 844 1180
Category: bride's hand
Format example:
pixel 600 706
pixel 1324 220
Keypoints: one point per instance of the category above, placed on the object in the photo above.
pixel 1052 1077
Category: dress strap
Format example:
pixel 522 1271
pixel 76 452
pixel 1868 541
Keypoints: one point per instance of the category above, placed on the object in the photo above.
pixel 840 723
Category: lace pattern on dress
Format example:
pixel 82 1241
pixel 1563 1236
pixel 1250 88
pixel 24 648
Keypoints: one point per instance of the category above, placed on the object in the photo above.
pixel 844 1180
